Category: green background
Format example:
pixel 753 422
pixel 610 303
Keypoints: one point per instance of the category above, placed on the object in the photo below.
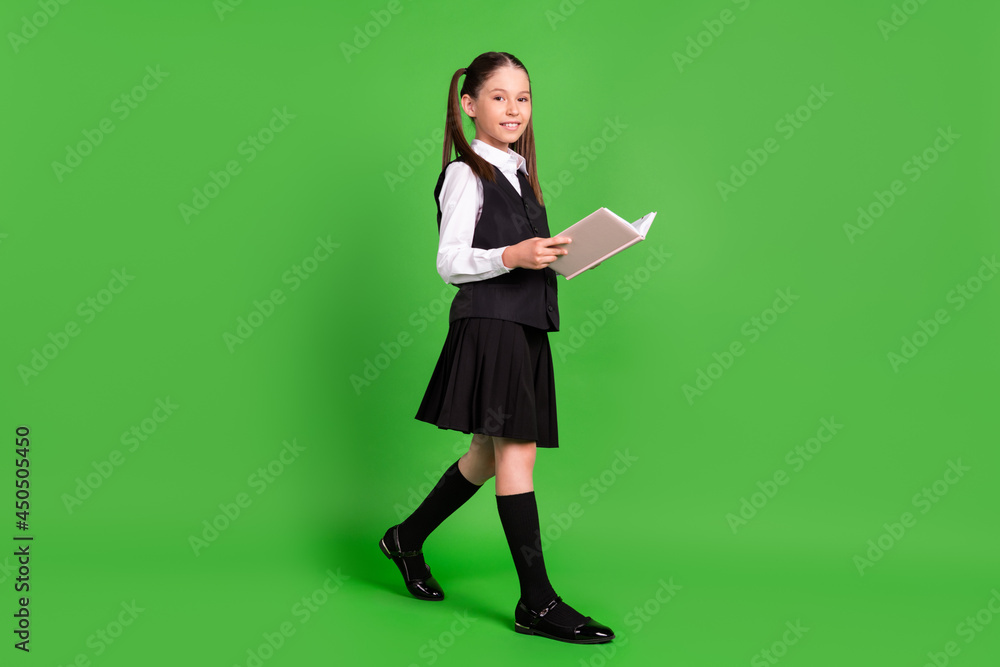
pixel 617 537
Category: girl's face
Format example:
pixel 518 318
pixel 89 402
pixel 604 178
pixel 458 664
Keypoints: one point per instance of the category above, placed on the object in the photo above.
pixel 503 108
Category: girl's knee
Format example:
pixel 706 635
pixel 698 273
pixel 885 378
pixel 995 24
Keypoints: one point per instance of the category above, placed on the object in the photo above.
pixel 482 456
pixel 482 446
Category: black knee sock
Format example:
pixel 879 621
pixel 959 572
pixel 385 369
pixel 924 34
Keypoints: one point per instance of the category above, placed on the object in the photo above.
pixel 519 516
pixel 450 493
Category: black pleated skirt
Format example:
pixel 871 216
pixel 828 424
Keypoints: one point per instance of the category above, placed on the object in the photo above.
pixel 494 377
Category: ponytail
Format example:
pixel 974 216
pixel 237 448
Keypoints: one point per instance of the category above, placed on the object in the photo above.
pixel 475 74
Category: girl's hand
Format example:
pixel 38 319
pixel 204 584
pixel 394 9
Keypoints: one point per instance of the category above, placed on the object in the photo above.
pixel 534 253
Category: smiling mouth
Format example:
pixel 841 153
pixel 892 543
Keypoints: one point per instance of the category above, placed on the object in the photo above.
pixel 510 126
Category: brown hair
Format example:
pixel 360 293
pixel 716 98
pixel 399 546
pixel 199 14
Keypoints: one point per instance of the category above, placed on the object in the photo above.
pixel 475 75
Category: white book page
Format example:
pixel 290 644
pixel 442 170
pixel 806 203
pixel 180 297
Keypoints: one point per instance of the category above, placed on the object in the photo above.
pixel 643 224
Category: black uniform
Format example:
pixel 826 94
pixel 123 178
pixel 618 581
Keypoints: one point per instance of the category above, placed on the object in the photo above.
pixel 495 375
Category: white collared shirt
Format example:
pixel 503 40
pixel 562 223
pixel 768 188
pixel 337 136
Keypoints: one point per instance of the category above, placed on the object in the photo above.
pixel 461 201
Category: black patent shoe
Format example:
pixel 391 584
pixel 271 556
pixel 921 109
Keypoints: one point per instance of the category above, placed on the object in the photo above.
pixel 530 622
pixel 420 584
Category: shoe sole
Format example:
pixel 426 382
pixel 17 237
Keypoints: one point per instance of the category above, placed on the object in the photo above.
pixel 525 630
pixel 385 550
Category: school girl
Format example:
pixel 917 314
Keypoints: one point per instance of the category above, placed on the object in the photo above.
pixel 494 377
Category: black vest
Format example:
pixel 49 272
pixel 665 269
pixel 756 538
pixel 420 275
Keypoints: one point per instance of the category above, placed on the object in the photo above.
pixel 526 296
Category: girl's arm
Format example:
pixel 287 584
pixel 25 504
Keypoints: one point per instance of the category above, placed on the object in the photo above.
pixel 461 202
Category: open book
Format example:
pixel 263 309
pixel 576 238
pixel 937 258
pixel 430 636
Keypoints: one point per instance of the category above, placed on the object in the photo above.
pixel 597 237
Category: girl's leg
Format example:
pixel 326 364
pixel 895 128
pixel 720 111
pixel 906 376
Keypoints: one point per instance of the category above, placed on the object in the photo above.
pixel 458 483
pixel 515 463
pixel 478 464
pixel 450 493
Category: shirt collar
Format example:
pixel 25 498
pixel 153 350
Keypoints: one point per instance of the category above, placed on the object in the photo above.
pixel 509 162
